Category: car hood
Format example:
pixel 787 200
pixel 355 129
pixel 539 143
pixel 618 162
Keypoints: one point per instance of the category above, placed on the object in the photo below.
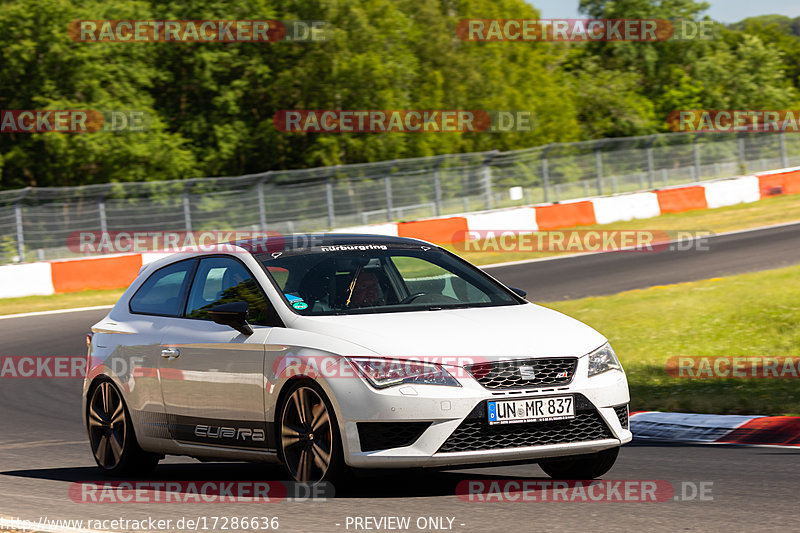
pixel 493 333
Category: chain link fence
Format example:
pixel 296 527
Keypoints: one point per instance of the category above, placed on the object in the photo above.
pixel 36 222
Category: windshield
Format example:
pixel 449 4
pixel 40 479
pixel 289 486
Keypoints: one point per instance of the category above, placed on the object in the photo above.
pixel 343 279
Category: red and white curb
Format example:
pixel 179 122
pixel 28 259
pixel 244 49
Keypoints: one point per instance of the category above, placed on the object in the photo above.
pixel 716 429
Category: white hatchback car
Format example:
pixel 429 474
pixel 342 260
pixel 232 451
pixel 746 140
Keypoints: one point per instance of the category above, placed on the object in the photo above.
pixel 332 352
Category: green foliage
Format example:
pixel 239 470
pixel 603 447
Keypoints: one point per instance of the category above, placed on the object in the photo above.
pixel 782 35
pixel 210 106
pixel 43 69
pixel 734 70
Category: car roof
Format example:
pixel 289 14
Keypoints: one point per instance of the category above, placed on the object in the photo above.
pixel 312 240
pixel 275 242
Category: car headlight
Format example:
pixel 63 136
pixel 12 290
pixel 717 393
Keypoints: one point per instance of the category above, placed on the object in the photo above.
pixel 383 373
pixel 603 360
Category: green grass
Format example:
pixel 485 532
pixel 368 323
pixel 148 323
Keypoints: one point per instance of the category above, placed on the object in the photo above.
pixel 745 315
pixel 767 212
pixel 29 304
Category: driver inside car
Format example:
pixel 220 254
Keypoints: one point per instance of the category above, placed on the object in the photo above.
pixel 366 291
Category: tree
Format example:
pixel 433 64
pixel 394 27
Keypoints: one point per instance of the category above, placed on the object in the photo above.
pixel 43 69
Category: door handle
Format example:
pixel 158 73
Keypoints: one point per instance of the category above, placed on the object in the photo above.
pixel 170 353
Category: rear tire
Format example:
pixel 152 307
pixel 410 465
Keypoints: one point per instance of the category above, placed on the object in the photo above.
pixel 581 466
pixel 111 434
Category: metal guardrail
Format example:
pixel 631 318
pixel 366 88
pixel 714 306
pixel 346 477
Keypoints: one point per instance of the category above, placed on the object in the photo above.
pixel 36 222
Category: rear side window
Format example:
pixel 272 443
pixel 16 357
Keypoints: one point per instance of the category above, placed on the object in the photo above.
pixel 162 293
pixel 222 280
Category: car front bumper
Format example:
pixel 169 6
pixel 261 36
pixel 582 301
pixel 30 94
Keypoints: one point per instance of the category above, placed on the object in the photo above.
pixel 461 410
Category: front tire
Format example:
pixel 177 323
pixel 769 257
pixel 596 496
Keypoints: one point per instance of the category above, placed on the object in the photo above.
pixel 308 435
pixel 581 466
pixel 111 434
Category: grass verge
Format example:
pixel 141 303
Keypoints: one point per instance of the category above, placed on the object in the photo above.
pixel 754 314
pixel 29 304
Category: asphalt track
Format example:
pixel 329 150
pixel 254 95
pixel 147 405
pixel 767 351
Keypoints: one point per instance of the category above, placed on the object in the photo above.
pixel 609 273
pixel 43 447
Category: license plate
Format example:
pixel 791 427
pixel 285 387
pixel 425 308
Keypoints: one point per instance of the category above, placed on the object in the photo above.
pixel 531 410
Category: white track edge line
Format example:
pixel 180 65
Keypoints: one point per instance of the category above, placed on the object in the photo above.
pixel 57 311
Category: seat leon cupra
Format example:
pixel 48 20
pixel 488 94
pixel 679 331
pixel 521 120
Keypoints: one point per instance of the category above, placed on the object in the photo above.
pixel 334 352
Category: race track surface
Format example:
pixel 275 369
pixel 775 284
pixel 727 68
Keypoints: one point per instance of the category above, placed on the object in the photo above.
pixel 43 447
pixel 609 273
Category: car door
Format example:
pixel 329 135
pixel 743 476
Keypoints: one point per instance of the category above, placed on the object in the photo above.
pixel 134 337
pixel 212 376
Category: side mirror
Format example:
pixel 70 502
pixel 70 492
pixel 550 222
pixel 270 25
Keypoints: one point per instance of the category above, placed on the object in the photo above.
pixel 518 292
pixel 233 314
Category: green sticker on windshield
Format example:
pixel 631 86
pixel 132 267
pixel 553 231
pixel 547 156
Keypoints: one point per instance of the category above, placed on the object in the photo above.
pixel 300 305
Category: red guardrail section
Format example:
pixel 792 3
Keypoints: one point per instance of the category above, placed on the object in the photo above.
pixel 565 215
pixel 438 230
pixel 682 199
pixel 94 274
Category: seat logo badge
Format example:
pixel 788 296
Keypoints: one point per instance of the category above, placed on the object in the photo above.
pixel 527 372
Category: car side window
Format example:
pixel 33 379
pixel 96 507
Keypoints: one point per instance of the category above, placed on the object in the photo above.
pixel 220 280
pixel 162 293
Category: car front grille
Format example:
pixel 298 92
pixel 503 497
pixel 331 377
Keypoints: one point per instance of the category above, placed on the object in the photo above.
pixel 622 414
pixel 475 433
pixel 384 435
pixel 507 374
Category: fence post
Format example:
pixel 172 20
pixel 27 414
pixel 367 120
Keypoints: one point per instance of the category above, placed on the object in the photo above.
pixel 187 209
pixel 486 171
pixel 651 170
pixel 437 190
pixel 262 208
pixel 20 234
pixel 784 155
pixel 101 210
pixel 696 154
pixel 598 163
pixel 742 154
pixel 329 201
pixel 387 186
pixel 546 173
